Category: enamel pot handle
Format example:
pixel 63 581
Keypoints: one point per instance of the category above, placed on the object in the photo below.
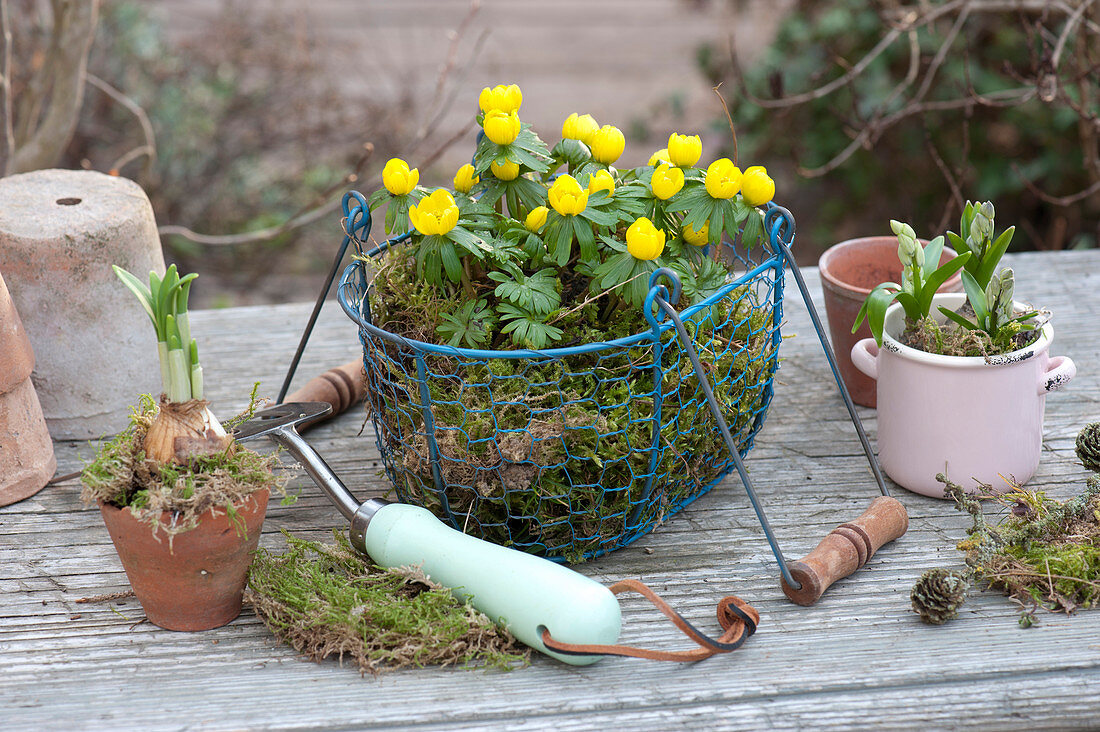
pixel 1058 372
pixel 865 357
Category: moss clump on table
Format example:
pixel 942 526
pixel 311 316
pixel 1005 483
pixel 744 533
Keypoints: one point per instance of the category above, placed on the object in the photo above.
pixel 325 600
pixel 552 455
pixel 121 476
pixel 1044 553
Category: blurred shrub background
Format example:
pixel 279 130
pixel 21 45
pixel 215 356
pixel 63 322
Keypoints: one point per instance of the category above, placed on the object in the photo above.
pixel 261 113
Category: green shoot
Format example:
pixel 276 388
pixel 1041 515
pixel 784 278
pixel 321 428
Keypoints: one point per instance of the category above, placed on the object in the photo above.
pixel 977 237
pixel 994 308
pixel 165 302
pixel 921 277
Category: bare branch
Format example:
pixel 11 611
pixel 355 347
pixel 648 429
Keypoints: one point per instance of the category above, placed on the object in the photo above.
pixel 448 66
pixel 941 53
pixel 306 216
pixel 1055 200
pixel 1056 57
pixel 952 183
pixel 9 130
pixel 74 28
pixel 431 127
pixel 150 147
pixel 871 131
pixel 451 142
pixel 733 130
pixel 128 157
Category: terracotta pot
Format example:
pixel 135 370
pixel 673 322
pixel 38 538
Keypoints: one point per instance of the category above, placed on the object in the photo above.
pixel 60 232
pixel 968 417
pixel 197 581
pixel 27 460
pixel 849 271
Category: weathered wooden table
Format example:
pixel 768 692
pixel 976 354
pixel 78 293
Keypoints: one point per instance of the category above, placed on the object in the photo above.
pixel 859 658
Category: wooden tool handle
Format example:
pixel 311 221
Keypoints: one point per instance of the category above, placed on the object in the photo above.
pixel 341 387
pixel 847 548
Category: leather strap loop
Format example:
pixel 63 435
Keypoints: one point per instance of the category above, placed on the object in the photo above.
pixel 737 618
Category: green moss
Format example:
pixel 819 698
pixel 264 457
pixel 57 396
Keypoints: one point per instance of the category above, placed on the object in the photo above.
pixel 554 455
pixel 1044 553
pixel 325 600
pixel 121 476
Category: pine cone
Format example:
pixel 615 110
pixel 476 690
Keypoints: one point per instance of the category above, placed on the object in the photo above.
pixel 938 594
pixel 1088 447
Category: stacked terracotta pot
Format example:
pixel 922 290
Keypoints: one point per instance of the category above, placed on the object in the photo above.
pixel 26 452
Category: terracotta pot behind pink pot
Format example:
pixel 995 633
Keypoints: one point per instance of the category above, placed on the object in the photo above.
pixel 849 271
pixel 196 582
pixel 963 416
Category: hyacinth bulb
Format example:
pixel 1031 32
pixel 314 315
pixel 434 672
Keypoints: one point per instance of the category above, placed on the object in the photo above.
pixel 184 430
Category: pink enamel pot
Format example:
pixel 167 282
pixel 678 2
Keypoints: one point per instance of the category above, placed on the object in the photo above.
pixel 971 418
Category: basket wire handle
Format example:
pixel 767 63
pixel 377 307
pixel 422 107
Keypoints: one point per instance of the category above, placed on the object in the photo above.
pixel 656 296
pixel 782 231
pixel 356 219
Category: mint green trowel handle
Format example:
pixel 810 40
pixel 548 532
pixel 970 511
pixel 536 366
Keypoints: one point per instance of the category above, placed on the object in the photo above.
pixel 523 592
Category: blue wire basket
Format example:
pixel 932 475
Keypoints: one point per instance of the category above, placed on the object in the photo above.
pixel 575 451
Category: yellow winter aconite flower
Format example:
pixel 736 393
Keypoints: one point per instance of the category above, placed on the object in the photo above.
pixel 697 238
pixel 661 156
pixel 644 240
pixel 723 178
pixel 579 127
pixel 501 127
pixel 508 171
pixel 601 181
pixel 684 150
pixel 607 144
pixel 398 179
pixel 757 187
pixel 505 98
pixel 567 197
pixel 465 179
pixel 536 218
pixel 666 182
pixel 435 214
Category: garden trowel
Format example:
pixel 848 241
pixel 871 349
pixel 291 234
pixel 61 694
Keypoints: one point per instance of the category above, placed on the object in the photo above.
pixel 527 594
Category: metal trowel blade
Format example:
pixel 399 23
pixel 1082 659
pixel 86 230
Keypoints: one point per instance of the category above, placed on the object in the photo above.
pixel 274 418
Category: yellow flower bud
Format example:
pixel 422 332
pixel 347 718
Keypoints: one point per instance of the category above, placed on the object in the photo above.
pixel 696 238
pixel 567 197
pixel 757 188
pixel 536 218
pixel 505 98
pixel 465 179
pixel 398 179
pixel 508 171
pixel 666 182
pixel 723 178
pixel 661 156
pixel 607 144
pixel 579 127
pixel 601 181
pixel 501 127
pixel 684 150
pixel 644 240
pixel 435 214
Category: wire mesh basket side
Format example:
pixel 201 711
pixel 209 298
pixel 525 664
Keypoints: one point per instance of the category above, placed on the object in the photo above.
pixel 571 452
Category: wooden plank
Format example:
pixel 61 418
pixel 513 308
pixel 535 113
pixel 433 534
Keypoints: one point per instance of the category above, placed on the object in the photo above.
pixel 858 659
